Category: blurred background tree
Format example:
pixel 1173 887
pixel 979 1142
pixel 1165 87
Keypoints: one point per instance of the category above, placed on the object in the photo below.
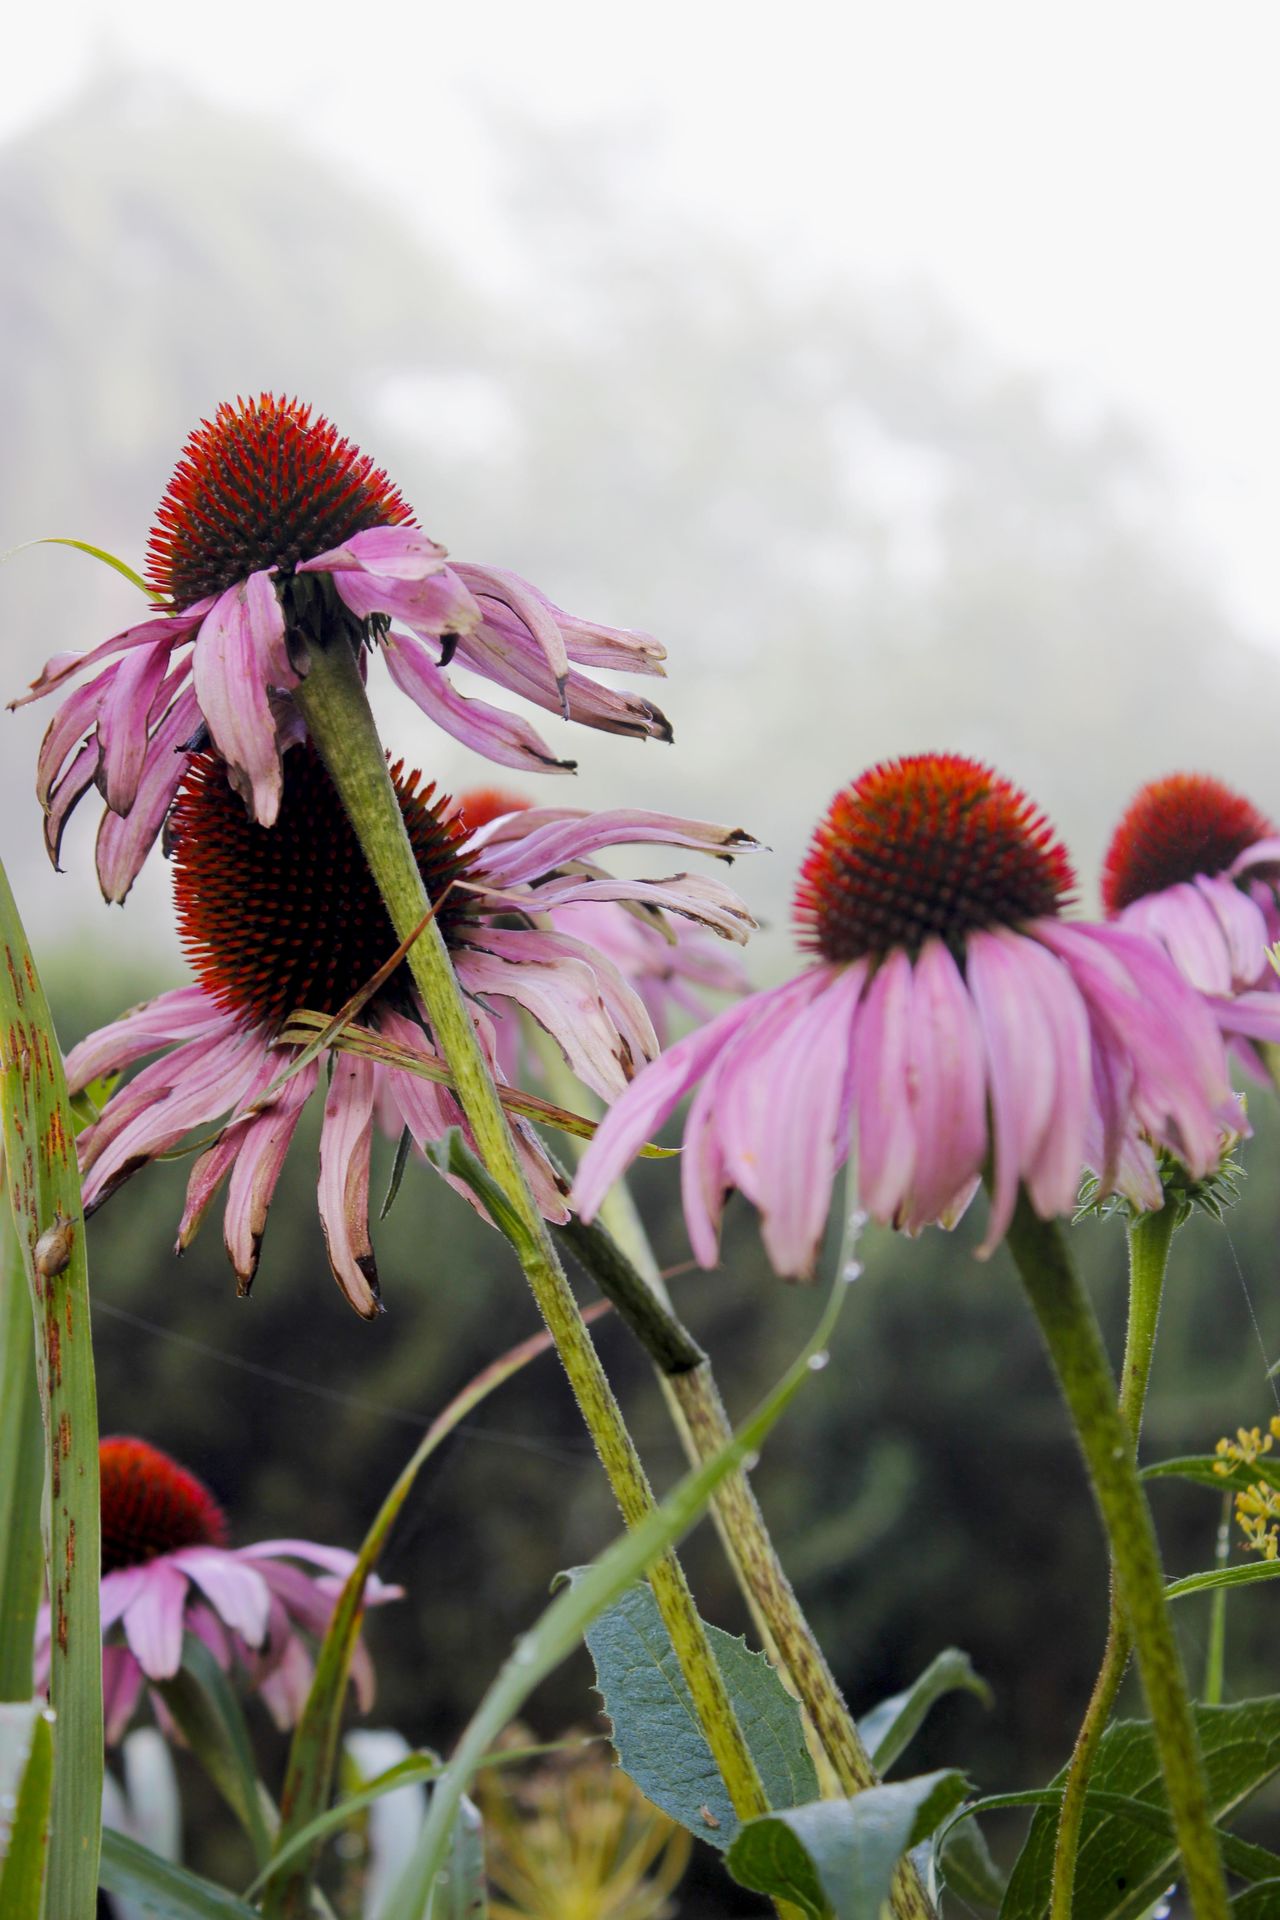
pixel 859 535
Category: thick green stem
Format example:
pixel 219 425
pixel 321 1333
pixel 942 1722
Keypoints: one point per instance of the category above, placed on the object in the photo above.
pixel 1150 1237
pixel 333 704
pixel 1074 1340
pixel 21 1473
pixel 635 1287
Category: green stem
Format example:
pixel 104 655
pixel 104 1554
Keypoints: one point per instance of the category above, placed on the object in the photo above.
pixel 334 705
pixel 1150 1237
pixel 1071 1333
pixel 635 1287
pixel 21 1474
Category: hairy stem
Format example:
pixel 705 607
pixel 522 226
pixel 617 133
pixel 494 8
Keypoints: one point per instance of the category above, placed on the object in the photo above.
pixel 1150 1237
pixel 334 705
pixel 1072 1335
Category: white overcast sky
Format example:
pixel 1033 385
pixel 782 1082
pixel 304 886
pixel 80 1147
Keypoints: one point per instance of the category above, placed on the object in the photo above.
pixel 1093 186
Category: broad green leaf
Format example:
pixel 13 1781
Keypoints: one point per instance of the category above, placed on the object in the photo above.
pixel 1261 1902
pixel 44 1192
pixel 1244 1575
pixel 1123 1867
pixel 566 1620
pixel 1240 1857
pixel 891 1726
pixel 655 1728
pixel 170 1892
pixel 26 1785
pixel 313 1750
pixel 1203 1470
pixel 208 1715
pixel 836 1858
pixel 964 1864
pixel 21 1473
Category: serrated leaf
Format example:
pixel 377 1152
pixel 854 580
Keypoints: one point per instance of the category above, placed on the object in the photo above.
pixel 1122 1867
pixel 655 1728
pixel 890 1727
pixel 167 1891
pixel 835 1859
pixel 1203 1470
pixel 26 1785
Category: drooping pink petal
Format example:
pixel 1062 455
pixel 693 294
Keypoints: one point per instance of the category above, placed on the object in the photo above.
pixel 562 993
pixel 502 650
pixel 167 630
pixel 693 896
pixel 240 654
pixel 545 848
pixel 1255 1014
pixel 431 607
pixel 124 722
pixel 648 1101
pixel 501 737
pixel 285 1689
pixel 237 1591
pixel 121 1685
pixel 946 1083
pixel 345 1144
pixel 1184 921
pixel 68 730
pixel 68 791
pixel 153 1620
pixel 1244 929
pixel 532 611
pixel 399 552
pixel 587 642
pixel 880 1066
pixel 263 1147
pixel 181 1014
pixel 124 843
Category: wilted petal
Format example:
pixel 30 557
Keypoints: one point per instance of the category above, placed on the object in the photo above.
pixel 124 843
pixel 501 737
pixel 345 1144
pixel 401 553
pixel 239 655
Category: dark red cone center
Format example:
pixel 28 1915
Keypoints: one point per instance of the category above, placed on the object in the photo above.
pixel 262 484
pixel 277 918
pixel 1175 828
pixel 934 844
pixel 151 1505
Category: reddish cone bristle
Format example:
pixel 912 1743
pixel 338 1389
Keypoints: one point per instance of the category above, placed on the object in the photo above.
pixel 477 807
pixel 932 844
pixel 261 485
pixel 276 918
pixel 1175 828
pixel 151 1505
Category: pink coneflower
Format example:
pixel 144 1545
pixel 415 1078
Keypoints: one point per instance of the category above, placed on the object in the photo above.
pixel 1196 866
pixel 951 1024
pixel 274 531
pixel 280 918
pixel 671 964
pixel 167 1570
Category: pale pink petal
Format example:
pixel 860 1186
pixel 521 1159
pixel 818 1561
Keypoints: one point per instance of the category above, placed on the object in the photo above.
pixel 180 1014
pixel 502 737
pixel 75 719
pixel 881 1063
pixel 124 722
pixel 117 1591
pixel 153 1620
pixel 1255 1014
pixel 624 1007
pixel 238 1592
pixel 123 844
pixel 343 1193
pixel 946 1088
pixel 585 641
pixel 1245 931
pixel 165 631
pixel 69 790
pixel 285 1689
pixel 704 1177
pixel 543 849
pixel 432 607
pixel 1184 922
pixel 262 1150
pixel 205 1624
pixel 531 610
pixel 563 995
pixel 744 1074
pixel 501 649
pixel 121 1685
pixel 1020 1063
pixel 401 553
pixel 336 1560
pixel 694 896
pixel 239 654
pixel 1052 1169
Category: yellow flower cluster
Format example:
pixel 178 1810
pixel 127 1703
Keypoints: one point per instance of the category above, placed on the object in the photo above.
pixel 1258 1506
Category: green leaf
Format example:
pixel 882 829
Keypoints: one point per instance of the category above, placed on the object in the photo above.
pixel 1203 1470
pixel 1261 1902
pixel 21 1474
pixel 26 1784
pixel 655 1727
pixel 313 1750
pixel 1122 1867
pixel 836 1858
pixel 463 1895
pixel 121 567
pixel 566 1620
pixel 964 1864
pixel 1243 1575
pixel 891 1726
pixel 208 1714
pixel 168 1891
pixel 44 1192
